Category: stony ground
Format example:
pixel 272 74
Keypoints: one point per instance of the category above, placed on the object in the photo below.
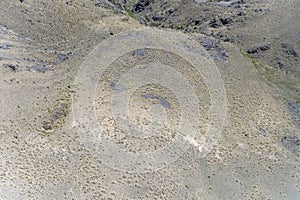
pixel 254 45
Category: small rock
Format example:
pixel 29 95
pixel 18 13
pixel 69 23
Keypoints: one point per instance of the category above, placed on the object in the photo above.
pixel 61 56
pixel 4 30
pixel 162 101
pixel 47 125
pixel 289 49
pixel 256 51
pixel 241 13
pixel 139 53
pixel 14 68
pixel 124 18
pixel 225 21
pixel 280 64
pixel 188 30
pixel 140 5
pixel 142 20
pixel 157 16
pixel 213 46
pixel 214 23
pixel 252 50
pixel 35 68
pixel 5 46
pixel 264 47
pixel 262 131
pixel 294 107
pixel 291 143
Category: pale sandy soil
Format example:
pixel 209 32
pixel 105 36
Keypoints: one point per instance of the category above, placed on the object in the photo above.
pixel 46 46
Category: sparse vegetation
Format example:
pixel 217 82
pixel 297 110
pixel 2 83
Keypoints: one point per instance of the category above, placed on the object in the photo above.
pixel 57 113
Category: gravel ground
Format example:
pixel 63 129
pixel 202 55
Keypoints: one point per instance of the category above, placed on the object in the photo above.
pixel 239 59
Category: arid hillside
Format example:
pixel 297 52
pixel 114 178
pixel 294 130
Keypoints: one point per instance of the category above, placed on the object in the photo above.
pixel 149 99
